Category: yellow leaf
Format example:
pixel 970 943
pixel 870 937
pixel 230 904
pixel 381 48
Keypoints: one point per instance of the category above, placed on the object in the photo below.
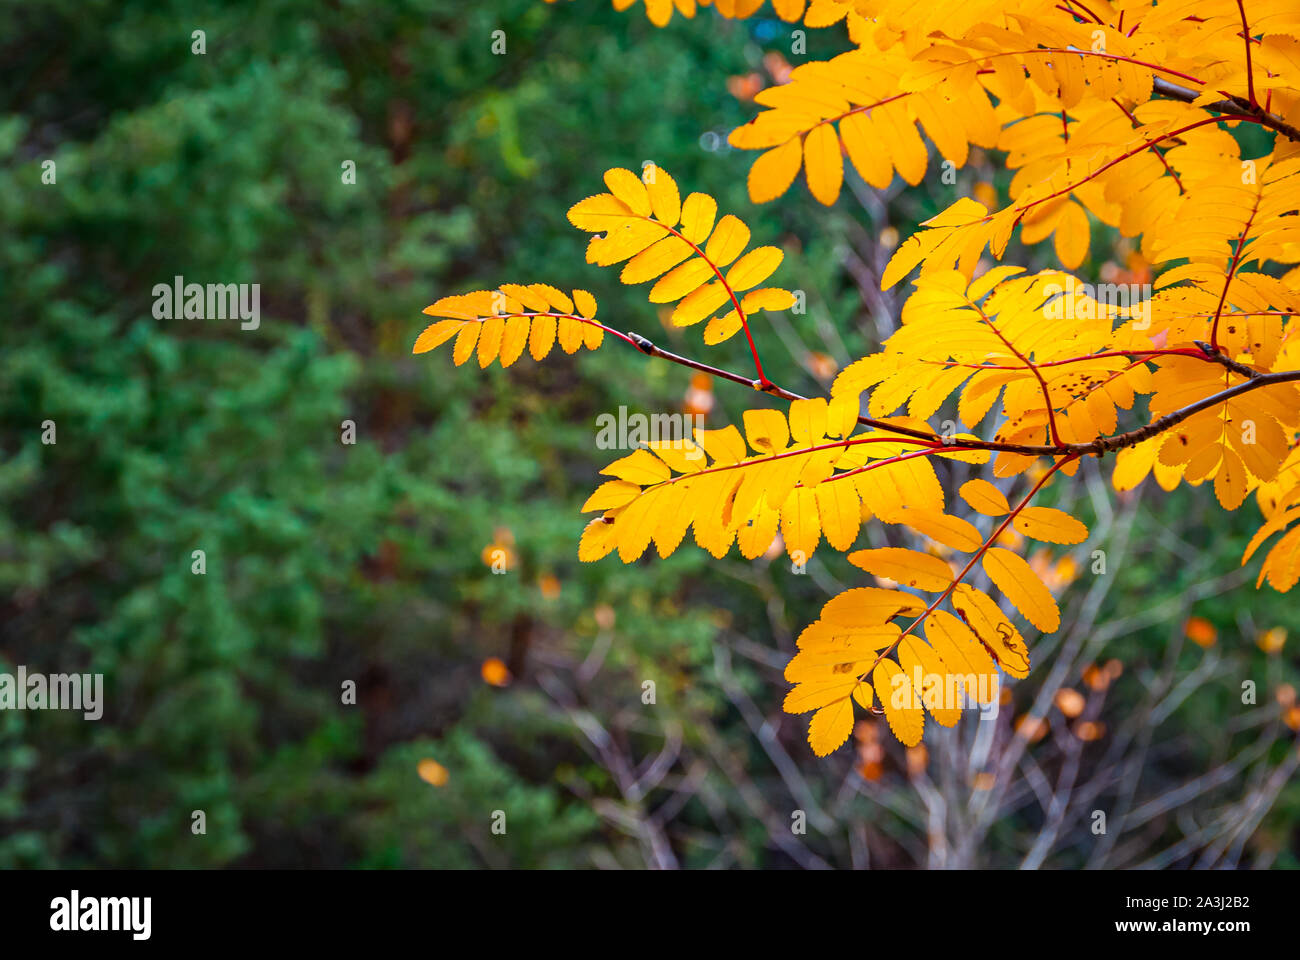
pixel 816 694
pixel 800 524
pixel 630 191
pixel 985 498
pixel 774 171
pixel 755 537
pixel 530 297
pixel 586 304
pixel 436 334
pixel 635 524
pixel 465 342
pixel 681 454
pixel 722 327
pixel 905 144
pixel 830 727
pixel 766 430
pixel 454 307
pixel 597 540
pixel 1230 481
pixel 823 164
pixel 681 280
pixel 902 707
pixel 664 198
pixel 863 695
pixel 842 415
pixel 554 299
pixel 998 635
pixel 808 421
pixel 1072 235
pixel 963 655
pixel 724 445
pixel 656 259
pixel 939 527
pixel 836 645
pixel 768 298
pixel 1132 464
pixel 514 339
pixel 865 606
pixel 1022 587
pixel 754 267
pixel 489 340
pixel 611 494
pixel 908 567
pixel 729 238
pixel 866 150
pixel 675 514
pixel 700 304
pixel 569 334
pixel 841 513
pixel 542 337
pixel 640 466
pixel 698 213
pixel 623 240
pixel 658 12
pixel 1054 526
pixel 929 678
pixel 597 214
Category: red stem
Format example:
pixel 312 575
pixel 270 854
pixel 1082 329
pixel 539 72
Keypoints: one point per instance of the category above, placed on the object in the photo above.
pixel 1250 73
pixel 763 382
pixel 971 562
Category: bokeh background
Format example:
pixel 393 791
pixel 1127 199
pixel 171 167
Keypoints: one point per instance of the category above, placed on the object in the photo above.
pixel 371 563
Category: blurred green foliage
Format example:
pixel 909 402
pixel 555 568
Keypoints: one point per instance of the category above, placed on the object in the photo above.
pixel 329 563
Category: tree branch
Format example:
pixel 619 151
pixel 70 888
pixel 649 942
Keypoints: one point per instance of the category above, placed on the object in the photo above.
pixel 1255 380
pixel 1230 104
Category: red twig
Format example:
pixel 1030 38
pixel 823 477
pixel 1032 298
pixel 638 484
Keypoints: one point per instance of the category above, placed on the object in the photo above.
pixel 763 383
pixel 1250 73
pixel 988 542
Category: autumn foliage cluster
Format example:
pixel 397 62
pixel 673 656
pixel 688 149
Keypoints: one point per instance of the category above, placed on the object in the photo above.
pixel 1134 115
